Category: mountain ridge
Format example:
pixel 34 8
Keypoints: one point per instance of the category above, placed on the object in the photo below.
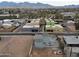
pixel 24 4
pixel 33 5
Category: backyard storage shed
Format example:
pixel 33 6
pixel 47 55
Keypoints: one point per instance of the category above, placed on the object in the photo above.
pixel 71 47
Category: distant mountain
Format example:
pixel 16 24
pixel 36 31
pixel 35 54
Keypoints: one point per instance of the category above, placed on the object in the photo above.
pixel 24 4
pixel 71 6
pixel 33 5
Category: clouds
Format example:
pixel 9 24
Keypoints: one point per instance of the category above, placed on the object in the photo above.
pixel 64 2
pixel 52 2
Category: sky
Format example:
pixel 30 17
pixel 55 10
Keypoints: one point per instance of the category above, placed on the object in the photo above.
pixel 51 2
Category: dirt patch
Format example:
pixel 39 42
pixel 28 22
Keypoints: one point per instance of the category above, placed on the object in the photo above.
pixel 16 46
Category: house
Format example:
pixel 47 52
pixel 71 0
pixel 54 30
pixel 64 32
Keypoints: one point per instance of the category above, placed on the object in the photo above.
pixel 3 16
pixel 30 28
pixel 72 14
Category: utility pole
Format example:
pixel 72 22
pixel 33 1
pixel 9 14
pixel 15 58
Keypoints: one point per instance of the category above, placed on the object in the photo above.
pixel 42 24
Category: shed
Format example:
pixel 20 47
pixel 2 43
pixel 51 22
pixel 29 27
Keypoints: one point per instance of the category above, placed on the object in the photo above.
pixel 71 47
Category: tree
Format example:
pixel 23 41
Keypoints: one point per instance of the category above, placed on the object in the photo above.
pixel 58 16
pixel 76 16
